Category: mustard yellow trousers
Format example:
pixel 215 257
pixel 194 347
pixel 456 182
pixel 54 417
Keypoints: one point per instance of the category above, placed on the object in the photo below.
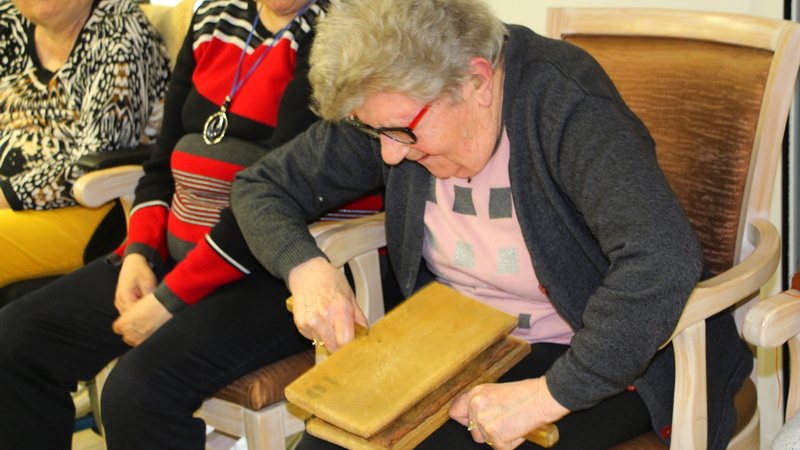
pixel 37 244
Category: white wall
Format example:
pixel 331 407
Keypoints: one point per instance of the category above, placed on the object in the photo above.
pixel 531 13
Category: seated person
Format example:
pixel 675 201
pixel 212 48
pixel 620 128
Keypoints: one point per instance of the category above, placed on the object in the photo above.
pixel 184 299
pixel 77 77
pixel 515 173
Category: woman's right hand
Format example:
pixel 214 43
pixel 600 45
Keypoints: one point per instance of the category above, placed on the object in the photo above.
pixel 325 308
pixel 503 413
pixel 136 280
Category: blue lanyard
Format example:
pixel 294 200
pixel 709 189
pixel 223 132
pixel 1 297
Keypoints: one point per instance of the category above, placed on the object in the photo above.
pixel 236 82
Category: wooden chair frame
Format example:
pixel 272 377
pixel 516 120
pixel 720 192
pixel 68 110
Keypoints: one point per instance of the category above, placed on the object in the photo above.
pixel 758 249
pixel 344 243
pixel 266 428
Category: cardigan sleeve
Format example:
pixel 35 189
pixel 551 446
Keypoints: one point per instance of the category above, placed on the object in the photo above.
pixel 273 200
pixel 605 165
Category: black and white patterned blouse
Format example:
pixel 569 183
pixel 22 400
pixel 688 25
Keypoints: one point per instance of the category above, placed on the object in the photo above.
pixel 107 96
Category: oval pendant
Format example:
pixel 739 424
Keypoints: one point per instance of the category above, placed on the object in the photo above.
pixel 215 128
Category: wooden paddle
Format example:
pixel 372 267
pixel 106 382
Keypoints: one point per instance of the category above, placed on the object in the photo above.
pixel 394 384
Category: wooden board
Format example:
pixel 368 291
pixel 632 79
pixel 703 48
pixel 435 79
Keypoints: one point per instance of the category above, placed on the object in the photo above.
pixel 365 386
pixel 431 412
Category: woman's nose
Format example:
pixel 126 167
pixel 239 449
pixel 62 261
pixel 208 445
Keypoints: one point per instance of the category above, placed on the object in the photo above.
pixel 393 152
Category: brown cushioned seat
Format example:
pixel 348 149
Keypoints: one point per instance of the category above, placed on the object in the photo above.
pixel 266 385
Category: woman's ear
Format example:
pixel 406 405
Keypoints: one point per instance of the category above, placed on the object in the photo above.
pixel 481 77
pixel 477 81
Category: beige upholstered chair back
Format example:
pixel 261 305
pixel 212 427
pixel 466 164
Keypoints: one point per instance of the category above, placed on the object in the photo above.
pixel 172 22
pixel 701 102
pixel 701 93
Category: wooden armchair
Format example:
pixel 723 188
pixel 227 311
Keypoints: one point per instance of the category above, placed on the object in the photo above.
pixel 714 90
pixel 773 322
pixel 254 407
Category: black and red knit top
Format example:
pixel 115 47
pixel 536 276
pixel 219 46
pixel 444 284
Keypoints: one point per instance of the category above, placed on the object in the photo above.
pixel 181 213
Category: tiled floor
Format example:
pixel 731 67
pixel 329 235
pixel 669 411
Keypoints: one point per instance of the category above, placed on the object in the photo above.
pixel 86 440
pixel 89 440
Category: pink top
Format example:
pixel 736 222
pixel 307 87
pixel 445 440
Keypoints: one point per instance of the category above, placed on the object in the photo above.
pixel 474 244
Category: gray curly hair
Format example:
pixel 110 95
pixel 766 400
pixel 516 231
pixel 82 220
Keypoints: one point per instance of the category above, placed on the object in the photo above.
pixel 419 48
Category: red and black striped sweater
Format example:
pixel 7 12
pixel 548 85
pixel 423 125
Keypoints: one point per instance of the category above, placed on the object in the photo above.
pixel 181 210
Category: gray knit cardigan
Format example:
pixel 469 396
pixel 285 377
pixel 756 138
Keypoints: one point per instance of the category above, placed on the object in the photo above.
pixel 606 235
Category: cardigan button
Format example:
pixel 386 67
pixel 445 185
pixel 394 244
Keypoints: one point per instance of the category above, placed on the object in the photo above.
pixel 543 290
pixel 666 432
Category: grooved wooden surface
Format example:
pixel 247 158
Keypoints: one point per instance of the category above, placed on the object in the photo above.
pixel 366 385
pixel 416 424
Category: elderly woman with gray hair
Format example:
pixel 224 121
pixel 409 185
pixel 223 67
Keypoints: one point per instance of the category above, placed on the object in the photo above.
pixel 516 174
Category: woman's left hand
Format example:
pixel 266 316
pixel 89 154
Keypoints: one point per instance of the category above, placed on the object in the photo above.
pixel 504 413
pixel 141 320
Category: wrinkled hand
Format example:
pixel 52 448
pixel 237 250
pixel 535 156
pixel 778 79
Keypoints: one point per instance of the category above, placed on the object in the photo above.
pixel 504 413
pixel 136 280
pixel 141 320
pixel 325 307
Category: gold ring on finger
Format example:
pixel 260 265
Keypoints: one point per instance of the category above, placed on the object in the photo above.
pixel 471 426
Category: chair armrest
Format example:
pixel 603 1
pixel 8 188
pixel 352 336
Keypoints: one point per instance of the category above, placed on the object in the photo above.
pixel 690 413
pixel 122 157
pixel 353 238
pixel 356 242
pixel 102 186
pixel 320 227
pixel 774 320
pixel 728 288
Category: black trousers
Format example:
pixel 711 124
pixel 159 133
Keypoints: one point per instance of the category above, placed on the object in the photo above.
pixel 611 422
pixel 61 334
